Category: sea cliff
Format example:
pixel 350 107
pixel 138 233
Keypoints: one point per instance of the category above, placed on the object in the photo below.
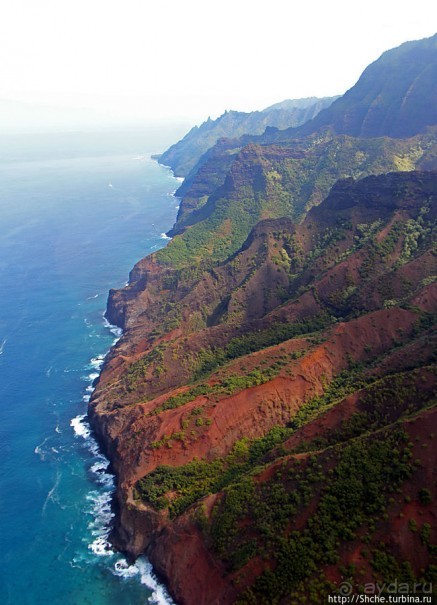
pixel 269 411
pixel 260 375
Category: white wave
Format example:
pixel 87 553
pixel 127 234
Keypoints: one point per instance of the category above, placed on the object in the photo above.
pixel 144 569
pixel 101 547
pixel 57 429
pixel 99 470
pixel 82 429
pixel 91 297
pixel 80 426
pixel 88 392
pixel 118 332
pixel 93 447
pixel 100 466
pixel 159 594
pixel 124 570
pixel 2 346
pixel 90 377
pixel 181 179
pixel 49 371
pixel 99 501
pixel 110 185
pixel 100 525
pixel 178 206
pixel 165 236
pixel 100 509
pixel 73 563
pixel 97 362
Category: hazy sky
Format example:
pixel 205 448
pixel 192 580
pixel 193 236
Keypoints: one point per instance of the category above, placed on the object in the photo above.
pixel 192 58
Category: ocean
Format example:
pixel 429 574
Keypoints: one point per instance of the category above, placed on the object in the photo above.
pixel 73 221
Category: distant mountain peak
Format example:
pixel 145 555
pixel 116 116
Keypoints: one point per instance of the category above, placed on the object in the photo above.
pixel 395 96
pixel 184 155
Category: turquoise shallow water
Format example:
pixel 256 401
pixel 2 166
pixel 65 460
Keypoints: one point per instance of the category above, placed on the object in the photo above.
pixel 70 229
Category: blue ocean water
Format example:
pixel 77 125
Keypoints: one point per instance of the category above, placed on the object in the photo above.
pixel 71 227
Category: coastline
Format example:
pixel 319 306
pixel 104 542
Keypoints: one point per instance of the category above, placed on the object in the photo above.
pixel 140 429
pixel 120 526
pixel 137 530
pixel 104 508
pixel 68 262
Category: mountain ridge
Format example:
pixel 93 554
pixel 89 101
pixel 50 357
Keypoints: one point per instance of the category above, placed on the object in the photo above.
pixel 381 88
pixel 184 155
pixel 280 344
pixel 244 386
pixel 379 103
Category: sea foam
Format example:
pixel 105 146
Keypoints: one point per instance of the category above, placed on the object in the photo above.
pixel 144 570
pixel 80 426
pixel 115 330
pixel 99 501
pixel 97 362
pixel 99 527
pixel 159 594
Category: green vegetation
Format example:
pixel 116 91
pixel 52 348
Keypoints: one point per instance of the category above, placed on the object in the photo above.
pixel 289 512
pixel 282 185
pixel 346 382
pixel 411 235
pixel 186 153
pixel 192 481
pixel 138 370
pixel 209 360
pixel 225 225
pixel 226 386
pixel 381 403
pixel 425 496
pixel 176 401
pixel 351 484
pixel 351 487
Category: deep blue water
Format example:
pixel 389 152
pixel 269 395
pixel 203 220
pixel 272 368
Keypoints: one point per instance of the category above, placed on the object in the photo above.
pixel 70 229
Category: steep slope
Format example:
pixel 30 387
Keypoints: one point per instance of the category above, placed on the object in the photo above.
pixel 226 378
pixel 261 181
pixel 270 408
pixel 366 247
pixel 396 96
pixel 185 154
pixel 394 99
